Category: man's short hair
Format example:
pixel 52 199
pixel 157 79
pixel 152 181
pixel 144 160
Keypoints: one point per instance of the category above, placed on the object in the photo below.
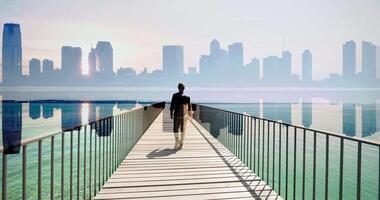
pixel 181 86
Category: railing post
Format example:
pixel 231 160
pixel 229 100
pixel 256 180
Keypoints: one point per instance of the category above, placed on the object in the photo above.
pixel 52 168
pixel 258 148
pixel 63 166
pixel 263 150
pixel 295 163
pixel 341 169
pixel 5 177
pixel 286 161
pixel 327 169
pixel 279 159
pixel 273 153
pixel 90 171
pixel 303 163
pixel 359 173
pixel 254 145
pixel 250 144
pixel 24 172
pixel 71 164
pixel 268 129
pixel 78 165
pixel 39 169
pixel 84 162
pixel 314 163
pixel 95 164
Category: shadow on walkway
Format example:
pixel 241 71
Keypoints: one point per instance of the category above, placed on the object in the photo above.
pixel 161 153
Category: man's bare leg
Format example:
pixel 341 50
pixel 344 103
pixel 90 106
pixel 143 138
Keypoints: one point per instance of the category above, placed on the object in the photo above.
pixel 177 141
pixel 183 132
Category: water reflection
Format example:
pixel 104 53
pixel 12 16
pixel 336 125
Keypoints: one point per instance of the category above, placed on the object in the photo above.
pixel 47 110
pixel 23 119
pixel 34 110
pixel 105 127
pixel 368 120
pixel 43 116
pixel 11 126
pixel 71 115
pixel 307 116
pixel 349 119
pixel 333 117
pixel 278 111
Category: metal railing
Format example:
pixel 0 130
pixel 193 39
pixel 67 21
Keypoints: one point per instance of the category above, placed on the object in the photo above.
pixel 298 162
pixel 76 162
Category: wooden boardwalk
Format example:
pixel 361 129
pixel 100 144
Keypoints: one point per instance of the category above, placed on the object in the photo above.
pixel 203 169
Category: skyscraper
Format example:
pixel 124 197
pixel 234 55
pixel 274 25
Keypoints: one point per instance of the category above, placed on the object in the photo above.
pixel 214 47
pixel 71 62
pixel 34 69
pixel 349 60
pixel 204 63
pixel 104 61
pixel 368 60
pixel 235 55
pixel 218 58
pixel 47 67
pixel 92 62
pixel 307 66
pixel 378 63
pixel 253 69
pixel 270 68
pixel 11 54
pixel 286 66
pixel 172 60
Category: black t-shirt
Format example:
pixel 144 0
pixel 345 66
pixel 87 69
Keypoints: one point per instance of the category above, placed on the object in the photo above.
pixel 177 104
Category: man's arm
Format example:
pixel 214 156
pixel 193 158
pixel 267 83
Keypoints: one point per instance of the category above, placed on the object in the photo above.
pixel 172 107
pixel 189 107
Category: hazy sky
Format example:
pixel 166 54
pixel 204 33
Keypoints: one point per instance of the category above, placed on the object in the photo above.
pixel 138 28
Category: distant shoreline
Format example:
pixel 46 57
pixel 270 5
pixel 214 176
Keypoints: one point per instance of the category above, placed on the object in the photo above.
pixel 117 88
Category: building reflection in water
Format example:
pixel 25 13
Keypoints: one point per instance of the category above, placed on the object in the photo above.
pixel 349 119
pixel 47 110
pixel 368 119
pixel 307 113
pixel 104 127
pixel 34 110
pixel 71 115
pixel 11 126
pixel 278 111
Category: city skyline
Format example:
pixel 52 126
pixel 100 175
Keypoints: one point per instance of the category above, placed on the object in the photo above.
pixel 321 26
pixel 215 67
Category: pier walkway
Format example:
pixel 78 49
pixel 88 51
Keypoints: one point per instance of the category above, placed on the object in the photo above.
pixel 203 169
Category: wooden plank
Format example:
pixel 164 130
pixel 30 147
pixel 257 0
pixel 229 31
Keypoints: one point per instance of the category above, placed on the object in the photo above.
pixel 203 169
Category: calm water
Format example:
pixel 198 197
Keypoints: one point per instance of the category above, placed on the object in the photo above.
pixel 22 119
pixel 353 113
pixel 354 120
pixel 25 119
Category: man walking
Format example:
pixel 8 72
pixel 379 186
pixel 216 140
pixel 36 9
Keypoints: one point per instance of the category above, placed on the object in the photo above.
pixel 180 111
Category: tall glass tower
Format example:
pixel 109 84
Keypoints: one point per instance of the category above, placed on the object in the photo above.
pixel 11 54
